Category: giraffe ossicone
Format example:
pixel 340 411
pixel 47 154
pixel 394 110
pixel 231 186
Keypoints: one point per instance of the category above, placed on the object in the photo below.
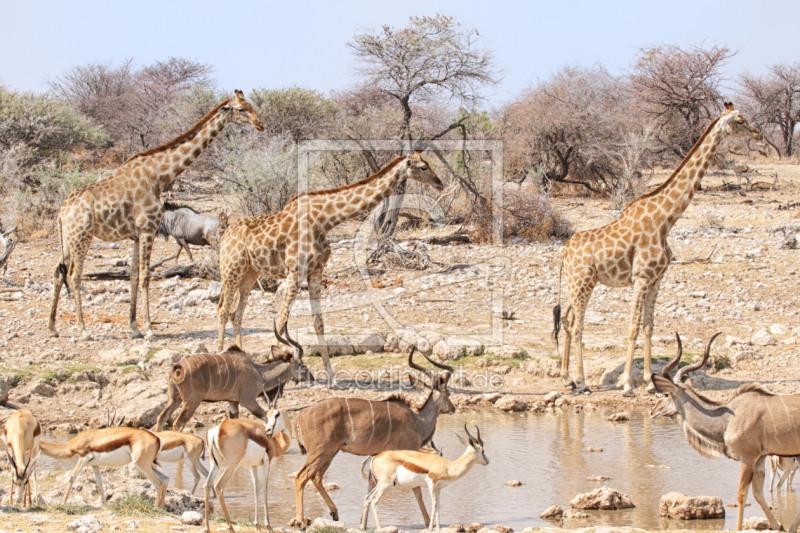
pixel 633 250
pixel 127 206
pixel 292 244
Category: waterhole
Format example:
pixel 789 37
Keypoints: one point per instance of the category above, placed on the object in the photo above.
pixel 548 453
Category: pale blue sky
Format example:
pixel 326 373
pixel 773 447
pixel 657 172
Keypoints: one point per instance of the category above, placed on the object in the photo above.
pixel 284 43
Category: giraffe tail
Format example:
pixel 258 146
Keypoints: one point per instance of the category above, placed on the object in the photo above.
pixel 62 266
pixel 557 308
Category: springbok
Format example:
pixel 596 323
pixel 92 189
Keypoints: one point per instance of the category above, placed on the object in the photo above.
pixel 232 377
pixel 239 443
pixel 787 465
pixel 751 426
pixel 176 446
pixel 366 427
pixel 21 435
pixel 112 447
pixel 410 469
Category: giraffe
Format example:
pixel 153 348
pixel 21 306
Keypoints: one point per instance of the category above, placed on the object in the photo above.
pixel 633 250
pixel 292 243
pixel 126 205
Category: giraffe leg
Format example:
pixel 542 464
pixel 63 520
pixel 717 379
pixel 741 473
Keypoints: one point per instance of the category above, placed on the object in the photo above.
pixel 135 333
pixel 245 286
pixel 640 291
pixel 647 330
pixel 580 382
pixel 145 250
pixel 227 297
pixel 567 319
pixel 314 294
pixel 289 294
pixel 75 283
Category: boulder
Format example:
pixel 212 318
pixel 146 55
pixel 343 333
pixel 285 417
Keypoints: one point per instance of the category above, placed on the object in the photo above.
pixel 329 345
pixel 511 352
pixel 392 343
pixel 604 499
pixel 324 524
pixel 511 403
pixel 544 368
pixel 214 291
pixel 118 356
pixel 166 357
pixel 140 402
pixel 85 523
pixel 778 329
pixel 43 389
pixel 514 483
pixel 552 396
pixel 196 347
pixel 408 338
pixel 679 505
pixel 552 513
pixel 574 514
pixel 444 352
pixel 619 417
pixel 192 518
pixel 759 523
pixel 366 343
pixel 762 338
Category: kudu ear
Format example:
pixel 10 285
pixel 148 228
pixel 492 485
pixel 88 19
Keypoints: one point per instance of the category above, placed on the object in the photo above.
pixel 416 383
pixel 663 385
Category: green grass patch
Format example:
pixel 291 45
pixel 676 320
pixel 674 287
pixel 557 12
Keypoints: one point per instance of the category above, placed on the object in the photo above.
pixel 136 505
pixel 128 369
pixel 66 508
pixel 151 353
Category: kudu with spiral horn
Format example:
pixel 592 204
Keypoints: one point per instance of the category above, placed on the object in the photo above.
pixel 753 425
pixel 367 427
pixel 230 377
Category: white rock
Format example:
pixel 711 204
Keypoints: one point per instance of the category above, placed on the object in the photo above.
pixel 329 345
pixel 366 343
pixel 118 356
pixel 778 329
pixel 192 518
pixel 166 357
pixel 89 522
pixel 214 291
pixel 762 338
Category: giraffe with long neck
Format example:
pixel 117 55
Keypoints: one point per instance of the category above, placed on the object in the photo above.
pixel 633 250
pixel 127 205
pixel 292 243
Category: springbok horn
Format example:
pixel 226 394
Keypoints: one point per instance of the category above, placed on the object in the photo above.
pixel 666 371
pixel 434 363
pixel 277 394
pixel 480 440
pixel 691 368
pixel 415 366
pixel 471 438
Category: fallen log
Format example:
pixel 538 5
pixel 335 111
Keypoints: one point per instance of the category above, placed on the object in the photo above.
pixel 184 270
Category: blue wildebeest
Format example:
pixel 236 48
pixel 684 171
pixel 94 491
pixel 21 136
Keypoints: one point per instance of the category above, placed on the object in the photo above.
pixel 190 227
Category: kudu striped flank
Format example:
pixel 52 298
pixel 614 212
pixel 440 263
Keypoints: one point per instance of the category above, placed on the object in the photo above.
pixel 753 425
pixel 366 427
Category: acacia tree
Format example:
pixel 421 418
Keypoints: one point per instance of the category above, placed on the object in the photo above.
pixel 432 60
pixel 774 102
pixel 680 89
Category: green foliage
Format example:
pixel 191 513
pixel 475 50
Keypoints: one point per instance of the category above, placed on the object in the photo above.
pixel 295 112
pixel 66 508
pixel 136 505
pixel 48 127
pixel 37 199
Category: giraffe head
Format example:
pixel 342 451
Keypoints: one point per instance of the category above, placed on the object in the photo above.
pixel 418 169
pixel 242 111
pixel 735 125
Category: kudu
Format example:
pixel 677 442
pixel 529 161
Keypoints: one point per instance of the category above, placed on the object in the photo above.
pixel 366 427
pixel 21 434
pixel 751 426
pixel 232 377
pixel 408 469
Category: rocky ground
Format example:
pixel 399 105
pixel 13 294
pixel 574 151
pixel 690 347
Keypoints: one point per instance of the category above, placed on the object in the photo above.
pixel 454 309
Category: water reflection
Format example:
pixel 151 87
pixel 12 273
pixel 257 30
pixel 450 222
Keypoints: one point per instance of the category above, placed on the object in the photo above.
pixel 546 452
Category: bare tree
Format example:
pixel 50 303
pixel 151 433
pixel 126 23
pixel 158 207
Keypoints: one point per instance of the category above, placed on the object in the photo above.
pixel 773 101
pixel 680 88
pixel 433 59
pixel 130 103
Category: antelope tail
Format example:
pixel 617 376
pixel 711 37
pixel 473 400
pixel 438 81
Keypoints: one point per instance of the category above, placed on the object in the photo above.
pixel 557 308
pixel 178 374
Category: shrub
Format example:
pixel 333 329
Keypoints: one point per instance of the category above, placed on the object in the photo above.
pixel 526 214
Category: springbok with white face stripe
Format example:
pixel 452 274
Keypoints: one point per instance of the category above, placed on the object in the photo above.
pixel 787 465
pixel 112 447
pixel 366 427
pixel 21 435
pixel 176 446
pixel 751 426
pixel 239 443
pixel 410 469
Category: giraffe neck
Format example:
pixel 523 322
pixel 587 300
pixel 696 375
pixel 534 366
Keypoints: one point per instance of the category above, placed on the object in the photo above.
pixel 179 157
pixel 362 197
pixel 675 195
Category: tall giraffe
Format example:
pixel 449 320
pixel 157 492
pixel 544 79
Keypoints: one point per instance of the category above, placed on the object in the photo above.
pixel 126 205
pixel 292 243
pixel 633 250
